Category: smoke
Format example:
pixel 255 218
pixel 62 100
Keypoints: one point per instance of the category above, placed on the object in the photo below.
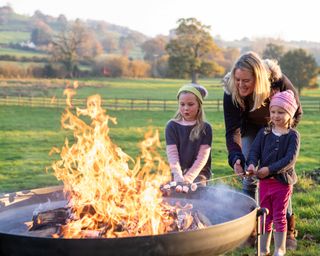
pixel 221 203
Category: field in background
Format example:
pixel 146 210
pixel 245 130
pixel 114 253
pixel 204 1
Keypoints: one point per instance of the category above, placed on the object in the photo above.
pixel 107 88
pixel 120 94
pixel 28 133
pixel 13 36
pixel 21 53
pixel 118 88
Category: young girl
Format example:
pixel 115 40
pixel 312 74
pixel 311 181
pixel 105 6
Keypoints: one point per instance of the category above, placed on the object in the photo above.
pixel 189 137
pixel 275 150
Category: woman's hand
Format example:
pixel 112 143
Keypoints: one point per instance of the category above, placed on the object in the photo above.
pixel 238 168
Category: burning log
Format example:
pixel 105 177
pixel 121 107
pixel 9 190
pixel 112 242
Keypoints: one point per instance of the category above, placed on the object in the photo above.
pixel 50 218
pixel 50 223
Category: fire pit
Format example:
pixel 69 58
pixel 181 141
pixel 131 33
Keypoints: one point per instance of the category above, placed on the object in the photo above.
pixel 232 214
pixel 113 205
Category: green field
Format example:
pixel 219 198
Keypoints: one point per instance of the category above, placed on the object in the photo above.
pixel 21 53
pixel 121 88
pixel 21 64
pixel 108 88
pixel 27 134
pixel 7 37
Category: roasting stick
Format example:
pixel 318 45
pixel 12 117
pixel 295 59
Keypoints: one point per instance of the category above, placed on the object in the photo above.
pixel 223 177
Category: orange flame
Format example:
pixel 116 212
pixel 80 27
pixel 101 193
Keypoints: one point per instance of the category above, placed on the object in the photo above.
pixel 108 198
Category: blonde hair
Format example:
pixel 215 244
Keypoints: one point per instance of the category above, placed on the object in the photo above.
pixel 200 126
pixel 268 128
pixel 273 69
pixel 251 62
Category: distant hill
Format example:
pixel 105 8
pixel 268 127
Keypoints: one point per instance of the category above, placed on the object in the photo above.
pixel 16 28
pixel 11 21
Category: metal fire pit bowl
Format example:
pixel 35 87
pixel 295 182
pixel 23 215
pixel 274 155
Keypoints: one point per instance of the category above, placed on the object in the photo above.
pixel 232 214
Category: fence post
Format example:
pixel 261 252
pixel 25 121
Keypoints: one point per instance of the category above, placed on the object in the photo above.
pixel 148 104
pixel 164 105
pixel 131 104
pixel 218 105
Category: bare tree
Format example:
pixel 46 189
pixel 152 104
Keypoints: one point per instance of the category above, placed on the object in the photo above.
pixel 74 43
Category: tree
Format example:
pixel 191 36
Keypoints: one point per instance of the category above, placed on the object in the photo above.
pixel 109 42
pixel 300 67
pixel 162 66
pixel 138 68
pixel 73 44
pixel 273 51
pixel 154 49
pixel 111 66
pixel 226 58
pixel 62 21
pixel 128 42
pixel 190 49
pixel 41 34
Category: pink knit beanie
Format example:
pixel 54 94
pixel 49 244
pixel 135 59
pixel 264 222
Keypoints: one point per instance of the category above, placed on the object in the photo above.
pixel 286 100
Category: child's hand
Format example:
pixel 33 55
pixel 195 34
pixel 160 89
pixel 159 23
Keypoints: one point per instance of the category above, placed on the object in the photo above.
pixel 263 172
pixel 188 178
pixel 177 177
pixel 251 170
pixel 238 168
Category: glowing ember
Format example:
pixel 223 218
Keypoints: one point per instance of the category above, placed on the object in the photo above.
pixel 107 198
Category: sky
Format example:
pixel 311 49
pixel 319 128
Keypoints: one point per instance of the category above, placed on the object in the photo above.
pixel 230 19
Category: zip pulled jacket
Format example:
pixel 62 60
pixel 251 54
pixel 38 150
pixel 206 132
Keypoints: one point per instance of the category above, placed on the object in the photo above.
pixel 278 153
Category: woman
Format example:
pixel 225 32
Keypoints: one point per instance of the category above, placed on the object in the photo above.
pixel 248 89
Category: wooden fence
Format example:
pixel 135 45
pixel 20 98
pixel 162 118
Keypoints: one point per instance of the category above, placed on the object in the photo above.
pixel 126 104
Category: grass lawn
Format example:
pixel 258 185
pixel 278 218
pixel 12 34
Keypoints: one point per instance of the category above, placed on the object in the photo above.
pixel 27 134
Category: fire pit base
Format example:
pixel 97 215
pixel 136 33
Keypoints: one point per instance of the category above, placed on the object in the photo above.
pixel 233 215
